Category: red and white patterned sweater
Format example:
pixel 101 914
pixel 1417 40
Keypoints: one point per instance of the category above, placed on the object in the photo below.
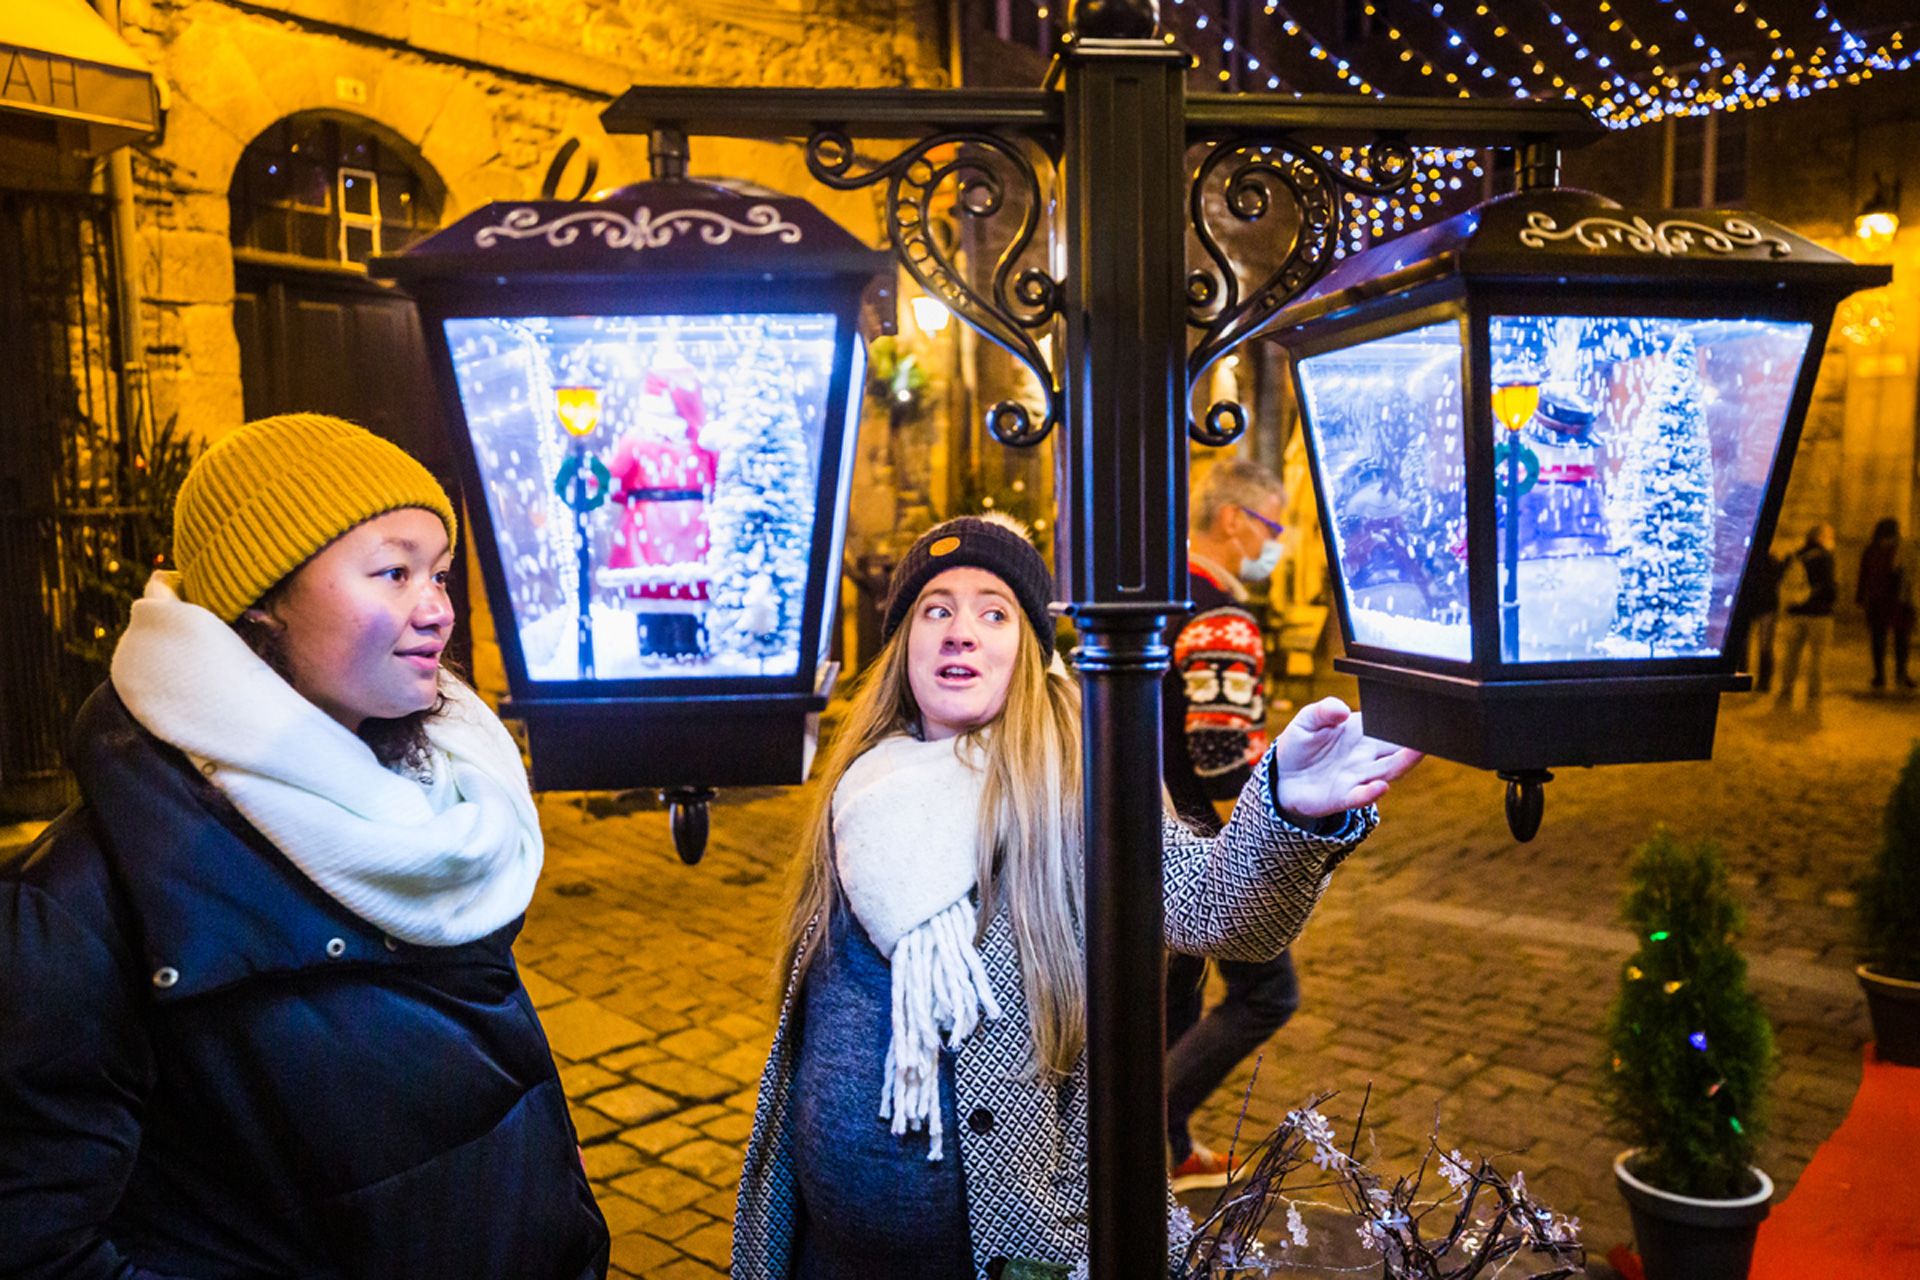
pixel 1216 711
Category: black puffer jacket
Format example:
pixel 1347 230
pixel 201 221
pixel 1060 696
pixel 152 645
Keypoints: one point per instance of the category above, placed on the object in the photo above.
pixel 209 1068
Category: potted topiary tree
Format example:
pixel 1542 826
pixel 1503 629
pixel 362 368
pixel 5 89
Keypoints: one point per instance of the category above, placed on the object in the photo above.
pixel 1689 1054
pixel 1889 895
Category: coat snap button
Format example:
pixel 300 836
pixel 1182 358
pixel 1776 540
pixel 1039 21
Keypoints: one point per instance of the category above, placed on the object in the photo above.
pixel 981 1120
pixel 165 976
pixel 337 948
pixel 392 945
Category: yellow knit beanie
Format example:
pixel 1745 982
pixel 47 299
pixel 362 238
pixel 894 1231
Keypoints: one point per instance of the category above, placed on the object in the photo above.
pixel 261 502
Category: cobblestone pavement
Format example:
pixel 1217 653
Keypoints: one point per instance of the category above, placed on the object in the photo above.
pixel 1461 976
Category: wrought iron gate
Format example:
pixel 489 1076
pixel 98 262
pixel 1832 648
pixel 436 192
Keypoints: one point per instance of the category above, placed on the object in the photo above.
pixel 65 450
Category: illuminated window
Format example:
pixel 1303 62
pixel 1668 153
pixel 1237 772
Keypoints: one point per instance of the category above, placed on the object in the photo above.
pixel 331 189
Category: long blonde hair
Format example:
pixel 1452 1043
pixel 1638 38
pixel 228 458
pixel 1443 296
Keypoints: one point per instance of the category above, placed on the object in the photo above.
pixel 1030 848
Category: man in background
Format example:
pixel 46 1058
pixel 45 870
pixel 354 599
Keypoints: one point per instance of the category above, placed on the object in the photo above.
pixel 1808 592
pixel 1214 732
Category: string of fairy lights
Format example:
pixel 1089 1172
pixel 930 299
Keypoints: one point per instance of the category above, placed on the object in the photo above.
pixel 1658 64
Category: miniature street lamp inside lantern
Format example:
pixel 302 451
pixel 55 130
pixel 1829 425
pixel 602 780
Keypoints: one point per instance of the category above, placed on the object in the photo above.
pixel 1548 436
pixel 658 393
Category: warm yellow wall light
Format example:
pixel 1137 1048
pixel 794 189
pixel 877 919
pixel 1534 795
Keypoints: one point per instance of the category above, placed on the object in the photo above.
pixel 1878 225
pixel 930 314
pixel 1880 218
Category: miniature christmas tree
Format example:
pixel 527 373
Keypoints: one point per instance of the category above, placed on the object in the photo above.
pixel 1664 519
pixel 1689 1049
pixel 761 518
pixel 1890 888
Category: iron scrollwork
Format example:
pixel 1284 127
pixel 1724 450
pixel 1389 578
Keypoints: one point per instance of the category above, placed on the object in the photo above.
pixel 1259 173
pixel 1017 304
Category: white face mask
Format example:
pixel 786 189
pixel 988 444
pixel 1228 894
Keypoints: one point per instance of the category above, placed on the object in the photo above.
pixel 1259 568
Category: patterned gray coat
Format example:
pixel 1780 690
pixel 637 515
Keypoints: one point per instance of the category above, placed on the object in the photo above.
pixel 1243 895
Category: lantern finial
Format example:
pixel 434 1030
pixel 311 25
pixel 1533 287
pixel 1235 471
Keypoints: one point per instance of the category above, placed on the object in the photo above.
pixel 1114 19
pixel 667 153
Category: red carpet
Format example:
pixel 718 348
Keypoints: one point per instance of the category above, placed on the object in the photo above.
pixel 1855 1212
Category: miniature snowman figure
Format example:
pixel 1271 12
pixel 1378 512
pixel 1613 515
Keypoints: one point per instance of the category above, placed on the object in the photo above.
pixel 1383 574
pixel 1569 579
pixel 760 609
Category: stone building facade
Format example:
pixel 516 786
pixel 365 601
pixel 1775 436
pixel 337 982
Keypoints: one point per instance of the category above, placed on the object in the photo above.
pixel 479 95
pixel 483 100
pixel 297 138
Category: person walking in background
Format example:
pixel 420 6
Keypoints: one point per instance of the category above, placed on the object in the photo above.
pixel 1214 729
pixel 259 1014
pixel 1764 613
pixel 1808 592
pixel 1885 593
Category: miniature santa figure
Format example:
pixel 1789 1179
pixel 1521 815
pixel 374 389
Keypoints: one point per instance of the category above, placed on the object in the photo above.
pixel 664 478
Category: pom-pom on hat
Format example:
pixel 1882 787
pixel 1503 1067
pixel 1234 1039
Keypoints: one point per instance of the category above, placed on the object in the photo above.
pixel 264 500
pixel 995 544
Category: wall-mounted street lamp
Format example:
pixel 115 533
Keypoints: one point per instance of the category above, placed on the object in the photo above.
pixel 1547 435
pixel 1879 217
pixel 657 393
pixel 930 314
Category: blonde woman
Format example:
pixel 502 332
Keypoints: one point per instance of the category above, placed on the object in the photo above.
pixel 923 1109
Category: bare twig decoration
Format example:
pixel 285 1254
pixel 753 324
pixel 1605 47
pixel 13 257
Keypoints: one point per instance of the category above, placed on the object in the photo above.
pixel 1483 1224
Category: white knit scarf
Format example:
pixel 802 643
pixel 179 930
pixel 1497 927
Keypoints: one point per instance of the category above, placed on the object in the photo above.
pixel 906 831
pixel 435 864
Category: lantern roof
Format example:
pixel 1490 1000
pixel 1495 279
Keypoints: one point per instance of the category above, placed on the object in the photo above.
pixel 1565 236
pixel 667 227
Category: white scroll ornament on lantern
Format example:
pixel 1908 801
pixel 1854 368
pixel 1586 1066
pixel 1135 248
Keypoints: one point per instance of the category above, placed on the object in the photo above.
pixel 641 231
pixel 1671 237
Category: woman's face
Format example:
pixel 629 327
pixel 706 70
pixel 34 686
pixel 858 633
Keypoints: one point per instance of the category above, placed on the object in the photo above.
pixel 962 642
pixel 362 624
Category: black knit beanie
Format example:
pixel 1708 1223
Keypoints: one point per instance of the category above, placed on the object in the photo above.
pixel 980 544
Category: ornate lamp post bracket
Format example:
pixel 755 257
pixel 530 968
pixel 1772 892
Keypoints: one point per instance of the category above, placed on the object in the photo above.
pixel 1256 184
pixel 1015 305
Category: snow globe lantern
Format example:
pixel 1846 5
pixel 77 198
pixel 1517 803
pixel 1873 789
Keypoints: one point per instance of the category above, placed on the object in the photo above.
pixel 659 390
pixel 1549 438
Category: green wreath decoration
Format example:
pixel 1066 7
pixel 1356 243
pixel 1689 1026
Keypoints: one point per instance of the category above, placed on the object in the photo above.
pixel 1529 464
pixel 596 471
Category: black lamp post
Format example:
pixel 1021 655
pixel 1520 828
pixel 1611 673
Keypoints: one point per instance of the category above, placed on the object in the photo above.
pixel 1548 436
pixel 658 392
pixel 1133 324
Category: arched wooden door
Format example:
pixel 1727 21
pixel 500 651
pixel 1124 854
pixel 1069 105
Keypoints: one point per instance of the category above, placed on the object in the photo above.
pixel 313 198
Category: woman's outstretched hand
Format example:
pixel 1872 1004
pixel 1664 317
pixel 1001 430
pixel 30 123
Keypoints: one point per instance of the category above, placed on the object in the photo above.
pixel 1324 763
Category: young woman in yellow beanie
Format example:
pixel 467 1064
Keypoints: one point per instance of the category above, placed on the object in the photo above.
pixel 259 1014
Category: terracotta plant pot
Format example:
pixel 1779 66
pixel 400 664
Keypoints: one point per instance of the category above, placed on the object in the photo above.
pixel 1685 1238
pixel 1894 1006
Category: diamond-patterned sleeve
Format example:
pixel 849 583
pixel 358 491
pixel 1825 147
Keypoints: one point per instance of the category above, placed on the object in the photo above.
pixel 1246 893
pixel 766 1217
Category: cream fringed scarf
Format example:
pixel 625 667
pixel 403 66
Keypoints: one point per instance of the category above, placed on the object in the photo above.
pixel 436 864
pixel 906 832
